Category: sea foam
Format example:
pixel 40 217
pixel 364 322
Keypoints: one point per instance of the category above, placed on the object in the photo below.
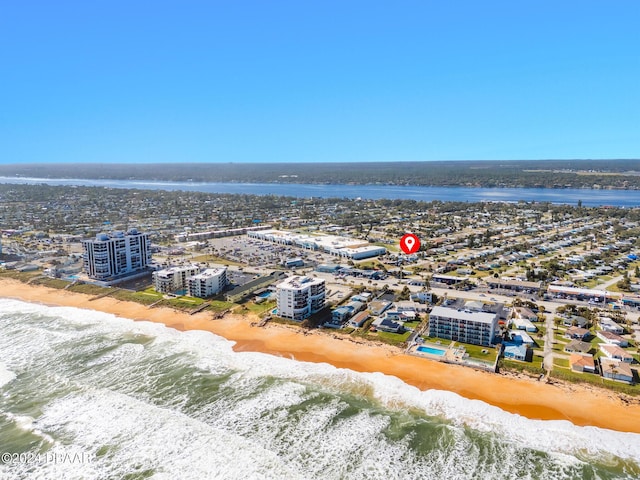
pixel 6 375
pixel 265 411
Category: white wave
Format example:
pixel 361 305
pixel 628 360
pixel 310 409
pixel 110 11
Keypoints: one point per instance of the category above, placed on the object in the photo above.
pixel 23 422
pixel 558 436
pixel 552 436
pixel 27 424
pixel 125 351
pixel 6 375
pixel 565 441
pixel 128 432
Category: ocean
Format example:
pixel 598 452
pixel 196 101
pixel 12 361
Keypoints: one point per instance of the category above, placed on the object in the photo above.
pixel 87 395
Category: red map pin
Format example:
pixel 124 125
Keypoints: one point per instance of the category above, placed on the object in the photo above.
pixel 409 243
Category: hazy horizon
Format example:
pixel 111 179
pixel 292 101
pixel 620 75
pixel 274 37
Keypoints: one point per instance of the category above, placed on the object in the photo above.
pixel 292 162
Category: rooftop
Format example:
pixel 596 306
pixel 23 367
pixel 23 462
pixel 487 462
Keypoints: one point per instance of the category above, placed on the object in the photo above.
pixel 460 314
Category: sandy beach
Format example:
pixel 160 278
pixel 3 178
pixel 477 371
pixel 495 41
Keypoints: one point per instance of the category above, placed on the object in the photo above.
pixel 580 404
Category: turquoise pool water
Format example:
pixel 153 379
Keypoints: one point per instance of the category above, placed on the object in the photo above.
pixel 265 294
pixel 431 350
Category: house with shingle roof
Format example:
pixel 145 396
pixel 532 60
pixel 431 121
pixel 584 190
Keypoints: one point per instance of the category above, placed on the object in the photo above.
pixel 578 346
pixel 614 352
pixel 577 333
pixel 582 363
pixel 616 370
pixel 612 338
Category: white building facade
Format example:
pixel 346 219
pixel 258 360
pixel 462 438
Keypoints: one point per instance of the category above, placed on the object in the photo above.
pixel 299 297
pixel 118 254
pixel 208 283
pixel 339 246
pixel 464 326
pixel 171 279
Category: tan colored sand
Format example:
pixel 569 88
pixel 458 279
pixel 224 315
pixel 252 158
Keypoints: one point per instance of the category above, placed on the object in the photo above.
pixel 580 404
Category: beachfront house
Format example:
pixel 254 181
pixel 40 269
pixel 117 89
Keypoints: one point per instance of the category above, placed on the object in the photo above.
pixel 616 370
pixel 582 363
pixel 516 351
pixel 340 315
pixel 357 321
pixel 387 325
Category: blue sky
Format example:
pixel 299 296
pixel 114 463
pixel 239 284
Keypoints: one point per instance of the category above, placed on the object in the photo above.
pixel 322 81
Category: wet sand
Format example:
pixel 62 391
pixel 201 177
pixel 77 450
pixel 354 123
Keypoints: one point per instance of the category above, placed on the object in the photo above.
pixel 580 404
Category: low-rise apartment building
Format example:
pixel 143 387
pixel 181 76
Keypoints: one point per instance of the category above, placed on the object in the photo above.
pixel 463 325
pixel 172 279
pixel 208 283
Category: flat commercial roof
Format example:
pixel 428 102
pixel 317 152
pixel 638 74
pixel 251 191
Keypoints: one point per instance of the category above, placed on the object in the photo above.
pixel 512 282
pixel 482 317
pixel 576 291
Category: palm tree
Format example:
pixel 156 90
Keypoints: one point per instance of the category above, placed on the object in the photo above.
pixel 557 321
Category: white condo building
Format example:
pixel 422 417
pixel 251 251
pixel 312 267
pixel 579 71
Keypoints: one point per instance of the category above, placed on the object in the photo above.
pixel 299 297
pixel 171 279
pixel 118 254
pixel 464 326
pixel 208 283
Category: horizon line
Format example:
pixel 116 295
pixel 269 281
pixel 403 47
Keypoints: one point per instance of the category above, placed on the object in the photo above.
pixel 222 162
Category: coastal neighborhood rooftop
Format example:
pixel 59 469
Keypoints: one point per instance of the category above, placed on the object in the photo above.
pixel 461 314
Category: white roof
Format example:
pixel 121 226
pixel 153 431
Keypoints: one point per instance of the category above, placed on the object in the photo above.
pixel 577 291
pixel 210 272
pixel 298 282
pixel 481 317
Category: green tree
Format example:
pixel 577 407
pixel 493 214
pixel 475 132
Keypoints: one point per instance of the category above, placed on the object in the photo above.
pixel 405 294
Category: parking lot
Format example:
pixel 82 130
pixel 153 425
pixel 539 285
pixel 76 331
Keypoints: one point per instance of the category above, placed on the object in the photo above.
pixel 258 253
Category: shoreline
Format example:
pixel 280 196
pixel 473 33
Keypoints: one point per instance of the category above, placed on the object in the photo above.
pixel 580 404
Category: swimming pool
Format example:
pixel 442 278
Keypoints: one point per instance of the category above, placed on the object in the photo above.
pixel 265 294
pixel 431 350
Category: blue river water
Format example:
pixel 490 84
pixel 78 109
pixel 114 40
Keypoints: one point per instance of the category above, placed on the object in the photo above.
pixel 618 198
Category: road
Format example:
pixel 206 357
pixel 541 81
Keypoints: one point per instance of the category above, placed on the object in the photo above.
pixel 604 286
pixel 547 361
